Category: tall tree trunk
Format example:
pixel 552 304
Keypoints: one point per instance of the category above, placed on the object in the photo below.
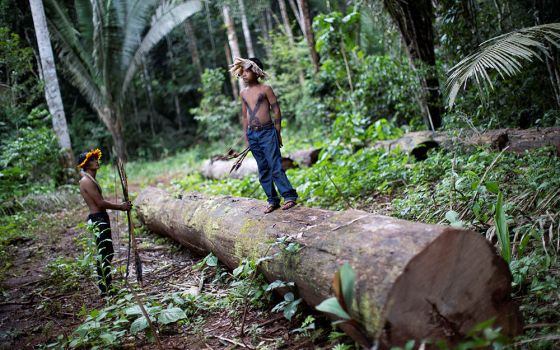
pixel 148 88
pixel 290 34
pixel 52 89
pixel 232 37
pixel 234 88
pixel 113 121
pixel 246 31
pixel 286 22
pixel 193 49
pixel 298 14
pixel 174 81
pixel 414 20
pixel 264 29
pixel 210 31
pixel 306 19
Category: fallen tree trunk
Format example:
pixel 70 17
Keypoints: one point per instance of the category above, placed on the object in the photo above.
pixel 413 280
pixel 517 140
pixel 219 169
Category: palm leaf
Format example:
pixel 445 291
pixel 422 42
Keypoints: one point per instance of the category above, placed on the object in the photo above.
pixel 134 17
pixel 67 33
pixel 84 17
pixel 504 54
pixel 167 17
pixel 81 77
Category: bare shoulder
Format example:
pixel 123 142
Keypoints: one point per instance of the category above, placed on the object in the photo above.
pixel 243 91
pixel 85 183
pixel 267 88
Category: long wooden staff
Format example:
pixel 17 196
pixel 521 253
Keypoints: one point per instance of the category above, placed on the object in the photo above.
pixel 131 237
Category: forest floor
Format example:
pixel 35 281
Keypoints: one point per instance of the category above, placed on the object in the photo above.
pixel 49 299
pixel 45 297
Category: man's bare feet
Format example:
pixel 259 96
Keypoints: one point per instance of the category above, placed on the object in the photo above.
pixel 271 208
pixel 288 204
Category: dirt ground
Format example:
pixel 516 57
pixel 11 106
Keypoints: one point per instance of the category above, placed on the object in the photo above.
pixel 34 309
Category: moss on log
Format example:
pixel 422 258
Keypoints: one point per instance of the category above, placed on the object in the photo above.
pixel 413 280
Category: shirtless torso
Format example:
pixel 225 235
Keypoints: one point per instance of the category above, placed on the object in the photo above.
pixel 92 194
pixel 91 191
pixel 258 100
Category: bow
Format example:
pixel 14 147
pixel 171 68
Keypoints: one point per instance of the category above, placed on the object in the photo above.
pixel 131 237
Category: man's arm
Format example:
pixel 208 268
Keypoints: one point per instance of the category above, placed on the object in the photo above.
pixel 91 190
pixel 244 121
pixel 275 106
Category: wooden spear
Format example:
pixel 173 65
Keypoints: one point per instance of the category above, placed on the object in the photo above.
pixel 131 237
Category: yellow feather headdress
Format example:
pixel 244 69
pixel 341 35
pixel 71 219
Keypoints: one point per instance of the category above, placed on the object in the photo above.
pixel 93 153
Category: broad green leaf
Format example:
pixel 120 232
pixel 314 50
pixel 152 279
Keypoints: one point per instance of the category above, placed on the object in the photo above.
pixel 138 325
pixel 291 309
pixel 133 310
pixel 347 279
pixel 108 338
pixel 212 261
pixel 502 230
pixel 332 306
pixel 492 186
pixel 171 315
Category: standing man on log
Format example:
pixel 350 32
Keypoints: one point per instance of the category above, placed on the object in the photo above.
pixel 262 134
pixel 88 162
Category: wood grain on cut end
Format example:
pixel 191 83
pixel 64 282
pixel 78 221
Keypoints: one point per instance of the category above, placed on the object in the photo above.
pixel 454 284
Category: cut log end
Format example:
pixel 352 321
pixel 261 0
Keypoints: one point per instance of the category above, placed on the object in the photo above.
pixel 445 291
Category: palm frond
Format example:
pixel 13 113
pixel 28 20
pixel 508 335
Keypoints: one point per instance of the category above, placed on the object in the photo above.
pixel 99 42
pixel 166 18
pixel 135 17
pixel 504 54
pixel 67 33
pixel 81 77
pixel 84 17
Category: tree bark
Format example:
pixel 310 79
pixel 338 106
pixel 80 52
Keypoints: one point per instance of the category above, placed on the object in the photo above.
pixel 246 31
pixel 193 49
pixel 177 105
pixel 234 86
pixel 232 37
pixel 306 19
pixel 290 34
pixel 516 140
pixel 113 122
pixel 264 29
pixel 414 20
pixel 52 89
pixel 286 22
pixel 413 281
pixel 296 10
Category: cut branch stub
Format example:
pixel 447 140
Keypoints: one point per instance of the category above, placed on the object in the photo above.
pixel 413 281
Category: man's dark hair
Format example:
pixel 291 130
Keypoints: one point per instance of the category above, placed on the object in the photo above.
pixel 81 158
pixel 258 62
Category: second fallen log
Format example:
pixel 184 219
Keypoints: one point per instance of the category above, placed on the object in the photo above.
pixel 414 281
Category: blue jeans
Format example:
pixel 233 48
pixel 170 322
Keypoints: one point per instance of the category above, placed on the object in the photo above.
pixel 266 150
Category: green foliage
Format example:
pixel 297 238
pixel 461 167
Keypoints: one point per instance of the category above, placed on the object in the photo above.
pixel 19 86
pixel 502 230
pixel 217 113
pixel 366 88
pixel 344 289
pixel 29 157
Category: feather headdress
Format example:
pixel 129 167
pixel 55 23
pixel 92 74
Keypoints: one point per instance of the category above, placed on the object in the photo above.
pixel 240 64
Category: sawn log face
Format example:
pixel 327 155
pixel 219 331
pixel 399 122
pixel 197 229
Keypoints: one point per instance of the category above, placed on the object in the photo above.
pixel 414 281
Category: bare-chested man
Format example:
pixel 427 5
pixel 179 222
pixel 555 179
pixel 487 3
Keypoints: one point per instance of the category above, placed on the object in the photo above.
pixel 91 191
pixel 262 134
